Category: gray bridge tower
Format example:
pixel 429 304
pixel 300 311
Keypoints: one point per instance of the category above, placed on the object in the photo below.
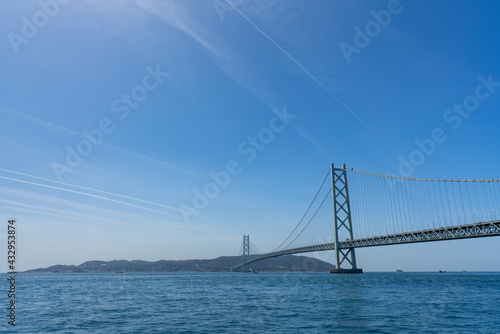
pixel 246 249
pixel 342 221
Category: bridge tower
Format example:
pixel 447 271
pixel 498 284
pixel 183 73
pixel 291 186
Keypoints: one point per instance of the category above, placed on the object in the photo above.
pixel 342 221
pixel 246 249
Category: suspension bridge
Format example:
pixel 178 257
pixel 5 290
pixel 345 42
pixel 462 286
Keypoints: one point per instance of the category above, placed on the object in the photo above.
pixel 386 210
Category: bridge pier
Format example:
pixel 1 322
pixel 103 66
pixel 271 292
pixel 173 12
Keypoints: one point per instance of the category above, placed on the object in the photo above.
pixel 346 271
pixel 342 221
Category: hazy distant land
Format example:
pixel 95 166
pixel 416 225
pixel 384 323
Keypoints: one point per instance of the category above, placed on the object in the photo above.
pixel 220 264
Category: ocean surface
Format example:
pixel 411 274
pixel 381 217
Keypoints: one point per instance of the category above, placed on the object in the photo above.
pixel 255 303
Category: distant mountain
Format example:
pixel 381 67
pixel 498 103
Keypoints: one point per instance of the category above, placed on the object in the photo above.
pixel 224 263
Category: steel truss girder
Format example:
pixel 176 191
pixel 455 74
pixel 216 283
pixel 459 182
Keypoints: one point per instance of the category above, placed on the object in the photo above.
pixel 476 230
pixel 481 229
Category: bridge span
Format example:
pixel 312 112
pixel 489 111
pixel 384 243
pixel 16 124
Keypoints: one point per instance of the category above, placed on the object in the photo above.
pixel 476 230
pixel 375 202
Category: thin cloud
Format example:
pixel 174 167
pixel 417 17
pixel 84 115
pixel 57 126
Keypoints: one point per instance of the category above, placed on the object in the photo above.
pixel 97 196
pixel 173 14
pixel 89 195
pixel 46 211
pixel 23 201
pixel 304 70
pixel 306 137
pixel 226 58
pixel 65 131
pixel 91 189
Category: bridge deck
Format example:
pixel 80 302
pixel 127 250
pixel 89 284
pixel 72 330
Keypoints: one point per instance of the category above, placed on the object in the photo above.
pixel 475 230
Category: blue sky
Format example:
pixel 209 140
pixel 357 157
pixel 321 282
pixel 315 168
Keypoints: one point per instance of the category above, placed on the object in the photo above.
pixel 172 91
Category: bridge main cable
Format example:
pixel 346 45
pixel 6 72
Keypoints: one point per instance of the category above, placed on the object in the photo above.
pixel 388 209
pixel 301 219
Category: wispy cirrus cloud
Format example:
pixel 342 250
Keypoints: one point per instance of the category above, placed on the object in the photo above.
pixel 228 60
pixel 24 201
pixel 171 12
pixel 60 130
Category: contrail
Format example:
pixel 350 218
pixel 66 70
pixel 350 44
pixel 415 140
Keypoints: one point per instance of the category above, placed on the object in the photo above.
pixel 304 69
pixel 91 189
pixel 118 148
pixel 90 195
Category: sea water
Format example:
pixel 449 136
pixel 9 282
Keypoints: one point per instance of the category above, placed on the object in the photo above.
pixel 255 303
